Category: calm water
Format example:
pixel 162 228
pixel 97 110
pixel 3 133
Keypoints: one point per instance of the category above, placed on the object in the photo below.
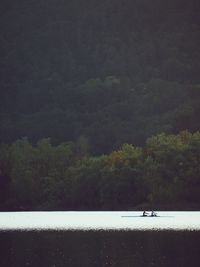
pixel 136 243
pixel 98 221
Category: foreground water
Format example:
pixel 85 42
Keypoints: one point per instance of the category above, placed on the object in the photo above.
pixel 98 239
pixel 100 248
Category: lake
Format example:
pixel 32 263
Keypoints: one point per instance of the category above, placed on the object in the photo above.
pixel 119 220
pixel 91 239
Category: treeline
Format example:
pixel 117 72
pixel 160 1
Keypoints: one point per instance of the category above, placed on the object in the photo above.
pixel 67 68
pixel 164 174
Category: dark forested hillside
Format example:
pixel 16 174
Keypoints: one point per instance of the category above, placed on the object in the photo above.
pixel 100 73
pixel 164 174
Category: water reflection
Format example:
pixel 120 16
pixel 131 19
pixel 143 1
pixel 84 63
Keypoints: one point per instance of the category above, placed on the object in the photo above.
pixel 98 221
pixel 95 249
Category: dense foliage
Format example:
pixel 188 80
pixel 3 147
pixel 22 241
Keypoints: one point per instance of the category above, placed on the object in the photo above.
pixel 165 174
pixel 109 72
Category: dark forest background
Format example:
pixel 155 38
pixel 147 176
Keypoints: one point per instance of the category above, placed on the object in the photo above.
pixel 82 78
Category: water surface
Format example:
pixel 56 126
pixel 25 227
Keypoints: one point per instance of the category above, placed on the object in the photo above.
pixel 99 239
pixel 100 249
pixel 98 221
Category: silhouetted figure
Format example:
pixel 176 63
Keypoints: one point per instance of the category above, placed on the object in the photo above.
pixel 144 213
pixel 153 213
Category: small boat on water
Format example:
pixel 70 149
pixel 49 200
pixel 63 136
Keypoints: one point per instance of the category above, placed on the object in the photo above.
pixel 144 214
pixel 147 214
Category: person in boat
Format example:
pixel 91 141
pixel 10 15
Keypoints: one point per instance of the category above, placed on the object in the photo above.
pixel 145 213
pixel 153 213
